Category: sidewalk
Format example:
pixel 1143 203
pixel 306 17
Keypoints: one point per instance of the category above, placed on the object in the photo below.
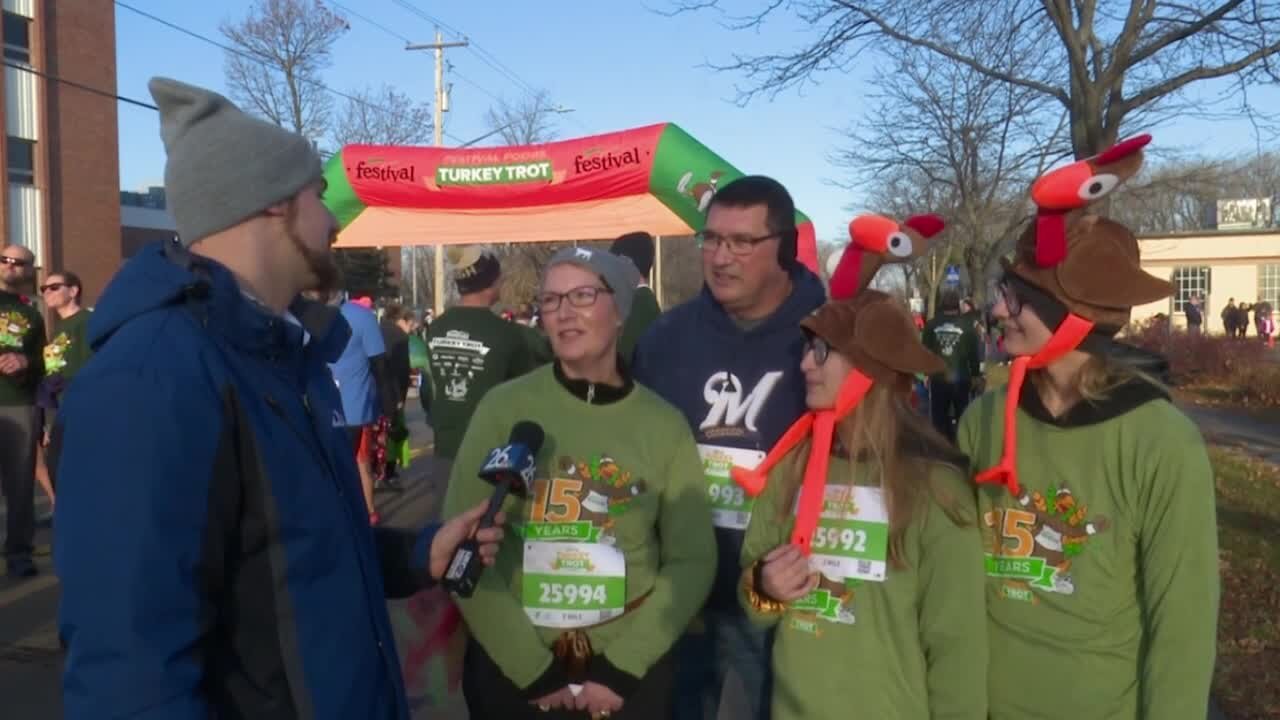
pixel 1225 426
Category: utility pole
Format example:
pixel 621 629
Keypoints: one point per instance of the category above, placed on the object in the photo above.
pixel 440 106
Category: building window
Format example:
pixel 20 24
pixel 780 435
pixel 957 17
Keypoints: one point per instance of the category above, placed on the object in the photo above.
pixel 1188 281
pixel 17 38
pixel 1269 284
pixel 22 160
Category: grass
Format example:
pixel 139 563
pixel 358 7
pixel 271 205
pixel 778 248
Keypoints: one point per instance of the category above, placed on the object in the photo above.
pixel 1247 680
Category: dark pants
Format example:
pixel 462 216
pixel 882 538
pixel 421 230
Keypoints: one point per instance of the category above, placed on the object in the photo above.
pixel 947 401
pixel 18 438
pixel 491 696
pixel 728 645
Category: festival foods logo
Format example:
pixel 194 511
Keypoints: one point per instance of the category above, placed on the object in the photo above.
pixel 597 160
pixel 377 168
pixel 1035 543
pixel 582 500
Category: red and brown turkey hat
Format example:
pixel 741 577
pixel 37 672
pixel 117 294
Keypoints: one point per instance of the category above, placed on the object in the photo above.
pixel 1080 272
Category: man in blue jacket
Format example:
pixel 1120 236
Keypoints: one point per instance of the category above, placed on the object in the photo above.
pixel 730 360
pixel 215 554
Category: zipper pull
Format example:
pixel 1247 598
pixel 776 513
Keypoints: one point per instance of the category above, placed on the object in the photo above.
pixel 591 393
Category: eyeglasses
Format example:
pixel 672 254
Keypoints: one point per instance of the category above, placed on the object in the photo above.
pixel 820 349
pixel 51 287
pixel 1010 297
pixel 737 244
pixel 16 262
pixel 579 297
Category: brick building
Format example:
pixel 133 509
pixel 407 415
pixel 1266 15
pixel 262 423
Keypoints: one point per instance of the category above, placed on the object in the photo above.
pixel 61 199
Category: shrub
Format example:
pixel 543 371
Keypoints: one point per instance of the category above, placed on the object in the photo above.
pixel 1242 367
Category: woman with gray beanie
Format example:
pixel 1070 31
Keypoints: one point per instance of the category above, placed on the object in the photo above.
pixel 614 553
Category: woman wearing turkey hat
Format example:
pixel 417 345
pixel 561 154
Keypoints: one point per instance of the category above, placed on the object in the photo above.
pixel 864 550
pixel 1095 492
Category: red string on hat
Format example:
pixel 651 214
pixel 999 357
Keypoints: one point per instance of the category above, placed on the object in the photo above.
pixel 1066 338
pixel 813 491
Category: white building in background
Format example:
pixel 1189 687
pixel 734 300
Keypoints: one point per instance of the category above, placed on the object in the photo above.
pixel 1243 264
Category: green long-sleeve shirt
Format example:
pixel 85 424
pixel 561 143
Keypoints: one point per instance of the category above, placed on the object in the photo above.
pixel 471 350
pixel 69 349
pixel 21 331
pixel 955 339
pixel 1102 576
pixel 912 647
pixel 625 475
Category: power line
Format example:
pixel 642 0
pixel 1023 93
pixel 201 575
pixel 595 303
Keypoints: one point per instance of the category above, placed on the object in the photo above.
pixel 251 58
pixel 374 23
pixel 81 86
pixel 473 84
pixel 484 55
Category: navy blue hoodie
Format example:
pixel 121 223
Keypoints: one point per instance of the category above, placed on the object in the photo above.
pixel 213 544
pixel 737 388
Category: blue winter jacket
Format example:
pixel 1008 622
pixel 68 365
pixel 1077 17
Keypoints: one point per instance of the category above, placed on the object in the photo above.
pixel 213 545
pixel 737 388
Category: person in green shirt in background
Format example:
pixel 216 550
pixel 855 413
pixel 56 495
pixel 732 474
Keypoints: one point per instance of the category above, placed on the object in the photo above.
pixel 67 351
pixel 22 343
pixel 1095 492
pixel 638 248
pixel 953 337
pixel 613 552
pixel 882 616
pixel 471 349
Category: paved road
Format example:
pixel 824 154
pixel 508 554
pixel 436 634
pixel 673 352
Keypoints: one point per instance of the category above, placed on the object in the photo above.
pixel 1227 427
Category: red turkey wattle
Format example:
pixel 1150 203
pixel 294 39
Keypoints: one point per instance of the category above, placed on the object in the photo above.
pixel 844 281
pixel 1051 238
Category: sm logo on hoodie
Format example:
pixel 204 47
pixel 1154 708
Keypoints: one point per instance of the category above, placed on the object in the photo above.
pixel 731 406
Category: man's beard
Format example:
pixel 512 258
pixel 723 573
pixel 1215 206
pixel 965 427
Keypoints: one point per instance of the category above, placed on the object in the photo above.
pixel 326 277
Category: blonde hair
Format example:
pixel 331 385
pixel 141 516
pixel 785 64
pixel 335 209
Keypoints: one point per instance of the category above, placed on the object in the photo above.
pixel 901 448
pixel 1101 375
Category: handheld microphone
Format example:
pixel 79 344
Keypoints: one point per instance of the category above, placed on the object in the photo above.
pixel 510 468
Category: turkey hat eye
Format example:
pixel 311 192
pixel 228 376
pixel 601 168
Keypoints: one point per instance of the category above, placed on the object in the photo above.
pixel 900 244
pixel 1098 186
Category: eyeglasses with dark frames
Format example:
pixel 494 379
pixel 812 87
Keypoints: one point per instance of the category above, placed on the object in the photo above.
pixel 820 348
pixel 579 297
pixel 738 244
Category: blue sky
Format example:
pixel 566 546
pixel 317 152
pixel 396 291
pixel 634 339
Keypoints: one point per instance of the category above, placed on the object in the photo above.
pixel 615 62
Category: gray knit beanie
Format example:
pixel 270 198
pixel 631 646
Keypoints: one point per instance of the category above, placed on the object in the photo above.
pixel 224 166
pixel 617 272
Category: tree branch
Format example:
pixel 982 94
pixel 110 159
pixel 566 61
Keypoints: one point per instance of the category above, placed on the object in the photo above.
pixel 1176 82
pixel 889 31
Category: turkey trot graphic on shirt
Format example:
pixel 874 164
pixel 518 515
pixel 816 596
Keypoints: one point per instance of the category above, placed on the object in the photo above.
pixel 1033 544
pixel 458 359
pixel 581 499
pixel 948 335
pixel 14 327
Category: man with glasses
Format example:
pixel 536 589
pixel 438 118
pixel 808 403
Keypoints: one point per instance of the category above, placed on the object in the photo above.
pixel 21 351
pixel 730 361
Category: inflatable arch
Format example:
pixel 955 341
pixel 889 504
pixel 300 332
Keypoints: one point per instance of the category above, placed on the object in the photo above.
pixel 656 178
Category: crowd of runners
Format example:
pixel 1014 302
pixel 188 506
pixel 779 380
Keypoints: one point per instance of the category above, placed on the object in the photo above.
pixel 736 500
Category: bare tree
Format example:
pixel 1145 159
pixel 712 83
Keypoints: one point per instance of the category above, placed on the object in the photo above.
pixel 383 116
pixel 980 143
pixel 281 48
pixel 527 121
pixel 1105 64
